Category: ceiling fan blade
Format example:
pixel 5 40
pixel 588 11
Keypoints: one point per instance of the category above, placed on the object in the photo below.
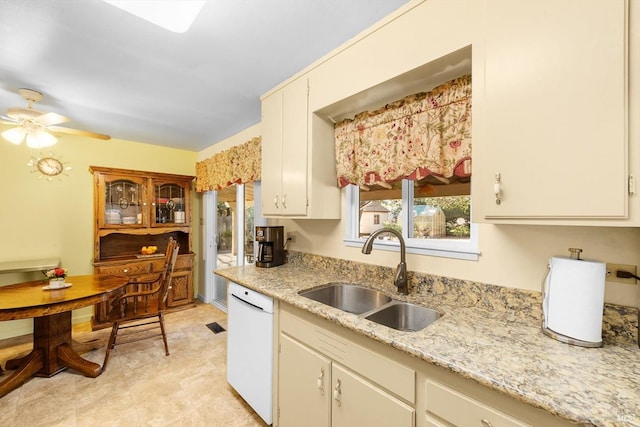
pixel 8 120
pixel 50 119
pixel 78 132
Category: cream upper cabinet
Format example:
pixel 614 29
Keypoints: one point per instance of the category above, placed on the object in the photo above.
pixel 284 151
pixel 550 112
pixel 298 157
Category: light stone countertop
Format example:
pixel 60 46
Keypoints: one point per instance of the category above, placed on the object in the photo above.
pixel 590 386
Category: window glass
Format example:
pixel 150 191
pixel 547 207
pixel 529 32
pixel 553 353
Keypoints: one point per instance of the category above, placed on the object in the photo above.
pixel 431 217
pixel 227 216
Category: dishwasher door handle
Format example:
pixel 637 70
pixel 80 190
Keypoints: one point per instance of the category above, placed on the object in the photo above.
pixel 247 302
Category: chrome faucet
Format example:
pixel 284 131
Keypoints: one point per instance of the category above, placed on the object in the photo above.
pixel 401 271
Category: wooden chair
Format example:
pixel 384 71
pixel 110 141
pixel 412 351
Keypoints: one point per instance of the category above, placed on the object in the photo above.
pixel 126 314
pixel 146 281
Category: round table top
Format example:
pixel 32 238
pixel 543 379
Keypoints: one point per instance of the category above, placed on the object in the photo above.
pixel 34 299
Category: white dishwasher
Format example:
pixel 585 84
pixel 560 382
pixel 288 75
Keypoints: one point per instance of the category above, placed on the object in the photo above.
pixel 250 348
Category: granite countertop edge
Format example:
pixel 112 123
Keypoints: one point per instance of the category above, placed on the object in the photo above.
pixel 588 386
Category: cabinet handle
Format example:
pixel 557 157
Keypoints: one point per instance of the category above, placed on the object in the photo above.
pixel 275 201
pixel 321 382
pixel 284 201
pixel 337 393
pixel 497 189
pixel 486 423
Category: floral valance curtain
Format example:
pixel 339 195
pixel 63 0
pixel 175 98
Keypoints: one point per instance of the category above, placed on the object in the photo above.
pixel 237 165
pixel 420 135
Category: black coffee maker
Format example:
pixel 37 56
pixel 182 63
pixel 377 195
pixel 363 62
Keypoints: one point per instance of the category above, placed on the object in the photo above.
pixel 270 246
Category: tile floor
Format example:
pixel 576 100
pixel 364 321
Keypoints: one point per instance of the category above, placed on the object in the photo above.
pixel 141 387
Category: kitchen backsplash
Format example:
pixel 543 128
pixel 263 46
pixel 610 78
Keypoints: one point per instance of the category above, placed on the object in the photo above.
pixel 620 323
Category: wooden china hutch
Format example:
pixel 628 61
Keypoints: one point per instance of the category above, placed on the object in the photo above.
pixel 136 209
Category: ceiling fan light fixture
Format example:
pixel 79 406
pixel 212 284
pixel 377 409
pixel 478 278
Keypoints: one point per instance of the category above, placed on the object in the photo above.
pixel 14 135
pixel 39 138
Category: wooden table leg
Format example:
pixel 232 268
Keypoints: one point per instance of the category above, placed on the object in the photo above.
pixel 15 363
pixel 49 332
pixel 82 347
pixel 31 364
pixel 71 359
pixel 52 353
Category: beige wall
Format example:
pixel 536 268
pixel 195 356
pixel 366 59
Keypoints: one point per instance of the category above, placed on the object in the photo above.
pixel 42 219
pixel 237 139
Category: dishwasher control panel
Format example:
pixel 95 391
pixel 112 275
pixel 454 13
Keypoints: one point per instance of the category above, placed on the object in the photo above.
pixel 251 297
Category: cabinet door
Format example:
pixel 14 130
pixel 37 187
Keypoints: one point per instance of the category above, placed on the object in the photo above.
pixel 304 390
pixel 555 107
pixel 356 402
pixel 271 154
pixel 294 148
pixel 181 291
pixel 284 151
pixel 170 203
pixel 121 201
pixel 448 407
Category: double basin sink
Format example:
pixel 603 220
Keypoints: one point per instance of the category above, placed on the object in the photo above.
pixel 373 305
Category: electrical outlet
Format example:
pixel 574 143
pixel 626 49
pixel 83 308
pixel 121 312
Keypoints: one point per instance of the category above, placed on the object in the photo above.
pixel 291 236
pixel 611 273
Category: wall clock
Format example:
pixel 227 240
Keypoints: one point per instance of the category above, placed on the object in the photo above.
pixel 49 166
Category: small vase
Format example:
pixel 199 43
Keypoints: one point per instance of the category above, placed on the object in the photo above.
pixel 56 283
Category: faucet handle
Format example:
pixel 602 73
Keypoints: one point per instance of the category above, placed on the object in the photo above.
pixel 401 281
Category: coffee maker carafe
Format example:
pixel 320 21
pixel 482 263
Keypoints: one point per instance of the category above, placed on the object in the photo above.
pixel 270 246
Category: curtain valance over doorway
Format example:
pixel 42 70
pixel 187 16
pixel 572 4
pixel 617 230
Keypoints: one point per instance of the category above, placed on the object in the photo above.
pixel 237 165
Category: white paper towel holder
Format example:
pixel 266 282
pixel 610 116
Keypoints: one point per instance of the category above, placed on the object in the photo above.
pixel 575 255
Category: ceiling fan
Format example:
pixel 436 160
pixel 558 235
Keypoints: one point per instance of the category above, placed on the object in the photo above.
pixel 36 126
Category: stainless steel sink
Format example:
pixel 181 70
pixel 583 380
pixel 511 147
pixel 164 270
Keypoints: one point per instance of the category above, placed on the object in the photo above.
pixel 347 297
pixel 404 316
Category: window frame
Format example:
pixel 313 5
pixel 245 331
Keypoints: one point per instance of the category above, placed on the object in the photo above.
pixel 446 248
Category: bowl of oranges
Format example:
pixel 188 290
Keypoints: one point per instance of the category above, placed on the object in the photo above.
pixel 148 250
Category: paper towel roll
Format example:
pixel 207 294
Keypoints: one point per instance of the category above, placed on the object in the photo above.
pixel 574 298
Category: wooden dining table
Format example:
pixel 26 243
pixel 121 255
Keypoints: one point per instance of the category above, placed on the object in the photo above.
pixel 51 312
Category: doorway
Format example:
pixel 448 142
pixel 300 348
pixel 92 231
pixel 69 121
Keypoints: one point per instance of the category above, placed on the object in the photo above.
pixel 231 215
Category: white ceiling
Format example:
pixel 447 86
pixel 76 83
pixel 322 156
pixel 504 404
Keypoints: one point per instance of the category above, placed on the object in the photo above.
pixel 113 73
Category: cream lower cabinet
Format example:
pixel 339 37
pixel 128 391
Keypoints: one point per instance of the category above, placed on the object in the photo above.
pixel 447 407
pixel 304 386
pixel 325 381
pixel 328 376
pixel 357 402
pixel 317 392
